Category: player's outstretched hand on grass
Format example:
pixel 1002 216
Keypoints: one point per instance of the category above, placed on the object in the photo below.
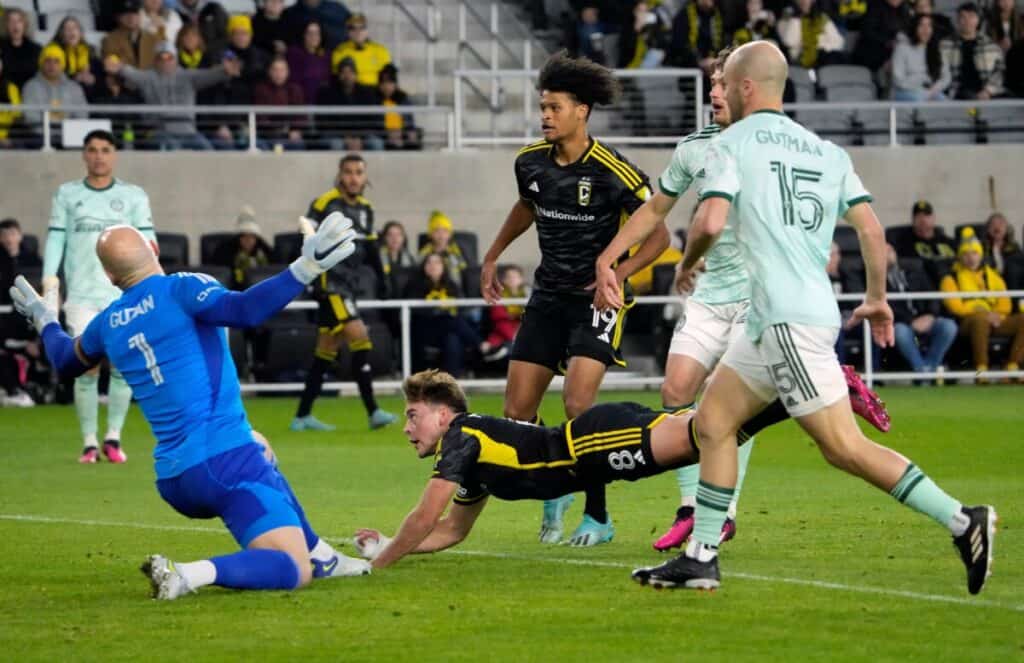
pixel 879 316
pixel 332 242
pixel 607 290
pixel 490 286
pixel 370 543
pixel 40 311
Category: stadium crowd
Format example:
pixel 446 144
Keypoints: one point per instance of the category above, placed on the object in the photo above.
pixel 184 52
pixel 915 51
pixel 441 263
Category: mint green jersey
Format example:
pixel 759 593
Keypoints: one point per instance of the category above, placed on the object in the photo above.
pixel 787 187
pixel 78 215
pixel 725 279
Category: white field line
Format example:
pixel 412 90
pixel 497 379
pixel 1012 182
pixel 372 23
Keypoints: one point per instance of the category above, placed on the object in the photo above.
pixel 820 584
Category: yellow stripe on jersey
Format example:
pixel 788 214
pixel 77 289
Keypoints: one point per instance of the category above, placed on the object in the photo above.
pixel 601 444
pixel 497 453
pixel 364 201
pixel 603 434
pixel 541 144
pixel 608 447
pixel 657 420
pixel 590 152
pixel 320 204
pixel 628 175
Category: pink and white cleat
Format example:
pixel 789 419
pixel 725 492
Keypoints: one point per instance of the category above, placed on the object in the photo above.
pixel 865 402
pixel 89 455
pixel 680 531
pixel 112 450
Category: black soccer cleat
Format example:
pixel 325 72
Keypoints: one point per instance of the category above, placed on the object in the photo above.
pixel 975 545
pixel 682 572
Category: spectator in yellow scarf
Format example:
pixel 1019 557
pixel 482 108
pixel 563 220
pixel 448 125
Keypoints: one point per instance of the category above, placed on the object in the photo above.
pixel 82 65
pixel 981 317
pixel 810 37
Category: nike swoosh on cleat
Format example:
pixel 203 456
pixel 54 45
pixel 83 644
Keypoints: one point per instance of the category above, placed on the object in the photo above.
pixel 320 256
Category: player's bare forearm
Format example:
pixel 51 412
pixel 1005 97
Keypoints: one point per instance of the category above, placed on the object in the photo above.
pixel 519 219
pixel 708 223
pixel 418 525
pixel 453 528
pixel 644 221
pixel 652 247
pixel 872 248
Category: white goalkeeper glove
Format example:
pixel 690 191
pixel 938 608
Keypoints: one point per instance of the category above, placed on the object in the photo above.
pixel 40 311
pixel 370 545
pixel 332 242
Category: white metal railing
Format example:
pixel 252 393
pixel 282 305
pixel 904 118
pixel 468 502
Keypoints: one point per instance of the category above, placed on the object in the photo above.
pixel 428 26
pixel 625 379
pixel 687 117
pixel 198 115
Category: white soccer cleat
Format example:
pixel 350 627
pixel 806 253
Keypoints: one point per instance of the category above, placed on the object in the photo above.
pixel 165 581
pixel 341 566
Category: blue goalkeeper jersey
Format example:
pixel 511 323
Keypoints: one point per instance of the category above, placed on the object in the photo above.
pixel 180 369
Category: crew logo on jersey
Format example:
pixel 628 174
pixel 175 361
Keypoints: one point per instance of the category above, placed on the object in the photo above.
pixel 117 205
pixel 583 192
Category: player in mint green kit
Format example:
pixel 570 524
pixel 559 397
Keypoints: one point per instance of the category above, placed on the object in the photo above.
pixel 81 210
pixel 782 188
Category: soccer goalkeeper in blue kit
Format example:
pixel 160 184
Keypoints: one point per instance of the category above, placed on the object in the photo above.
pixel 164 335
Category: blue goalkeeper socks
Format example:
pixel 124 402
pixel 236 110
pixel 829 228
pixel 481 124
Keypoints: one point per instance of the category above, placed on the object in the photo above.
pixel 256 569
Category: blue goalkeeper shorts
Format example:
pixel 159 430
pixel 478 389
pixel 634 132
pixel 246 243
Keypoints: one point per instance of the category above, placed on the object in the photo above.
pixel 241 488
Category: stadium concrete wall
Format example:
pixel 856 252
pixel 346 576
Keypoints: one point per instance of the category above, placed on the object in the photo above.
pixel 197 193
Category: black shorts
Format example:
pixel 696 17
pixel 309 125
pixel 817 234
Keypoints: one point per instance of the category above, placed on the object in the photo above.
pixel 336 311
pixel 612 441
pixel 557 327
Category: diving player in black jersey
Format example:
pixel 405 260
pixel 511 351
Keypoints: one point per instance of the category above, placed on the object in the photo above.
pixel 578 191
pixel 478 456
pixel 335 291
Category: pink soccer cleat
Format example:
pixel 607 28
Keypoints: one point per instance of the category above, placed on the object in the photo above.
pixel 680 531
pixel 728 531
pixel 865 402
pixel 89 455
pixel 112 450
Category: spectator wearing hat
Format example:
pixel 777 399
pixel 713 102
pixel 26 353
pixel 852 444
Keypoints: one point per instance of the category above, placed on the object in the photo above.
pixel 52 88
pixel 9 94
pixel 346 131
pixel 209 17
pixel 83 66
pixel 245 251
pixel 331 16
pixel 19 53
pixel 927 241
pixel 168 85
pixel 231 131
pixel 269 28
pixel 439 230
pixel 277 90
pixel 975 62
pixel 129 42
pixel 919 324
pixel 368 55
pixel 399 128
pixel 310 67
pixel 980 317
pixel 158 20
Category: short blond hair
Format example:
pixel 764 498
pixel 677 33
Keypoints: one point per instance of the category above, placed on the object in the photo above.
pixel 435 387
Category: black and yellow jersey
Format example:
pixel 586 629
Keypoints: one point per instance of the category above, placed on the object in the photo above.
pixel 340 279
pixel 512 460
pixel 578 208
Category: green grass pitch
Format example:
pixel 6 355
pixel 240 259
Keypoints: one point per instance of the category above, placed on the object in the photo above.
pixel 823 567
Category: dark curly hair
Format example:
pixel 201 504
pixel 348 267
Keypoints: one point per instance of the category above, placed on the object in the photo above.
pixel 584 80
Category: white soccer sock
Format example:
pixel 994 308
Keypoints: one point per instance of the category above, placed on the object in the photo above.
pixel 731 513
pixel 198 574
pixel 700 552
pixel 322 551
pixel 690 501
pixel 959 524
pixel 90 441
pixel 112 434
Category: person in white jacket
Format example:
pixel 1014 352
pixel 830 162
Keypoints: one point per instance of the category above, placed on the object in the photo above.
pixel 808 23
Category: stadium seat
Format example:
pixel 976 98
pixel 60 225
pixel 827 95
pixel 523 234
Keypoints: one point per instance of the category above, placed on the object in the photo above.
pixel 979 230
pixel 222 274
pixel 846 238
pixel 400 277
pixel 264 272
pixel 466 240
pixel 30 244
pixel 1003 124
pixel 231 6
pixel 662 278
pixel 803 84
pixel 662 102
pixel 948 126
pixel 287 247
pixel 896 235
pixel 843 82
pixel 208 243
pixel 833 124
pixel 471 281
pixel 173 248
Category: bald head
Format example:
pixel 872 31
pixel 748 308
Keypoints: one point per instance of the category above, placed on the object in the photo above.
pixel 756 72
pixel 126 255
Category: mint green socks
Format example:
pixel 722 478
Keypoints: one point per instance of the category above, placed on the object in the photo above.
pixel 920 493
pixel 87 406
